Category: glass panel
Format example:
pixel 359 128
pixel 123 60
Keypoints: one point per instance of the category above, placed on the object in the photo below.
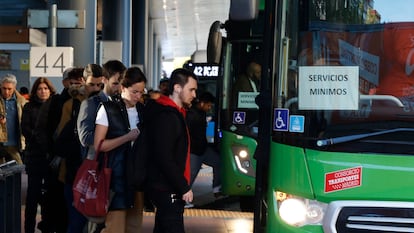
pixel 242 75
pixel 350 71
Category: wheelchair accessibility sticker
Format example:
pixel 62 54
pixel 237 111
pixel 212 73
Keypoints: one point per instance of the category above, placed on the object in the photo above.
pixel 239 118
pixel 280 121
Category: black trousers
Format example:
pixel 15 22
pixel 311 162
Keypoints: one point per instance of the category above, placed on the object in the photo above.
pixel 37 173
pixel 45 190
pixel 33 198
pixel 169 213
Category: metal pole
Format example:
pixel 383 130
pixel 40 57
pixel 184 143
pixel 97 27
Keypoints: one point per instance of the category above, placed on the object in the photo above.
pixel 264 100
pixel 126 35
pixel 83 41
pixel 53 21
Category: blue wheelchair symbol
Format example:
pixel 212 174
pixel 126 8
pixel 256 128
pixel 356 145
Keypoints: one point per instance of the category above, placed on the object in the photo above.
pixel 280 122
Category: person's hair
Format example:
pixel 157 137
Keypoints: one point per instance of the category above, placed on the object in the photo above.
pixel 206 97
pixel 24 90
pixel 150 91
pixel 9 78
pixel 65 74
pixel 111 67
pixel 164 80
pixel 133 75
pixel 93 70
pixel 76 73
pixel 36 84
pixel 180 76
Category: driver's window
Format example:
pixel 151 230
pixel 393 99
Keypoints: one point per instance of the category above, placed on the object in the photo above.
pixel 247 74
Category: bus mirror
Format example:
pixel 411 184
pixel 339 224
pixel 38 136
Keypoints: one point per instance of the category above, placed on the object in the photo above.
pixel 243 10
pixel 214 43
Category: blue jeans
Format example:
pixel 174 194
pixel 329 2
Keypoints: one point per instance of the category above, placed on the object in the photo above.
pixel 210 158
pixel 76 221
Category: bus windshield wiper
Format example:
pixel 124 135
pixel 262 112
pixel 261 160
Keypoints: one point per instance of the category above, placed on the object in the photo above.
pixel 331 141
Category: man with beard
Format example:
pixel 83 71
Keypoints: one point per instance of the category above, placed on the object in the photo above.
pixel 168 178
pixel 113 71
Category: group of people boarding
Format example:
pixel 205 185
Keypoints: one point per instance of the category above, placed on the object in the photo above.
pixel 100 108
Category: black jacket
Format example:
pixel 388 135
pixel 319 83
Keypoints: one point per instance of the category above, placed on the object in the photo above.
pixel 34 130
pixel 169 145
pixel 29 118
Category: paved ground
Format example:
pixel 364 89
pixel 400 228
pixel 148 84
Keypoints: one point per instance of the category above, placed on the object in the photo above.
pixel 210 215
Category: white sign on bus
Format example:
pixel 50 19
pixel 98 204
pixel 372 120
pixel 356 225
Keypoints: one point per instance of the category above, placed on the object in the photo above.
pixel 328 87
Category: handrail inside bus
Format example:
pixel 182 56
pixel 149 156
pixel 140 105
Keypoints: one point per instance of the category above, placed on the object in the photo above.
pixel 291 101
pixel 362 97
pixel 382 97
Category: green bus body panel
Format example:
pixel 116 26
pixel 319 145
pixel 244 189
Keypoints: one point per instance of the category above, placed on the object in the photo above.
pixel 302 172
pixel 233 181
pixel 288 169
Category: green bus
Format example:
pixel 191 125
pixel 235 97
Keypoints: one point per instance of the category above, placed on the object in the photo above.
pixel 326 143
pixel 236 136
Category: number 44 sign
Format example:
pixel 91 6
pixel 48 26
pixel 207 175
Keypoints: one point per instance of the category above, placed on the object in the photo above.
pixel 50 61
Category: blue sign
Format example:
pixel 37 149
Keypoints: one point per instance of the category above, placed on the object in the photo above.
pixel 296 123
pixel 280 119
pixel 239 118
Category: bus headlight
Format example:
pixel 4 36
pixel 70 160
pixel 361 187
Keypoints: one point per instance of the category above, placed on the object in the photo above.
pixel 299 211
pixel 243 160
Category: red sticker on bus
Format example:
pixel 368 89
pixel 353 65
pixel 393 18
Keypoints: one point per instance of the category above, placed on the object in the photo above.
pixel 344 179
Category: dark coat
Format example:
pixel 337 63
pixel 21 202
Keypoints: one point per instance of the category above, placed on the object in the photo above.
pixel 29 118
pixel 34 130
pixel 169 145
pixel 55 111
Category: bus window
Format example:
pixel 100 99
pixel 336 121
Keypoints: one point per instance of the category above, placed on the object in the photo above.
pixel 347 72
pixel 241 84
pixel 247 86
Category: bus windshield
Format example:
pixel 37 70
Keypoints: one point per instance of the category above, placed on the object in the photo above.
pixel 347 70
